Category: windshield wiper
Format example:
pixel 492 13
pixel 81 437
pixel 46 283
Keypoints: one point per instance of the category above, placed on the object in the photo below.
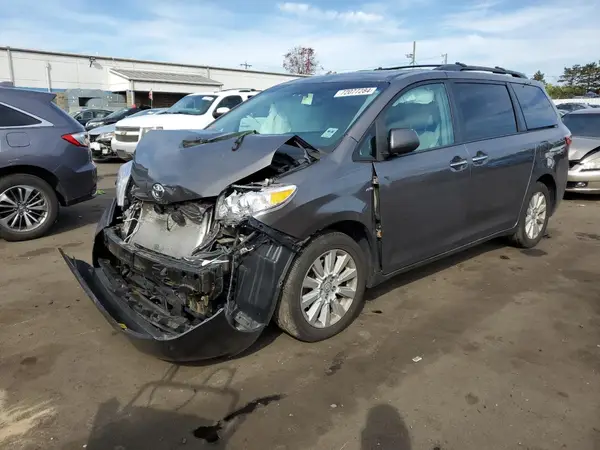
pixel 238 134
pixel 240 138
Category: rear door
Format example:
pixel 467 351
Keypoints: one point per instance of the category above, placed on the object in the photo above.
pixel 423 194
pixel 502 161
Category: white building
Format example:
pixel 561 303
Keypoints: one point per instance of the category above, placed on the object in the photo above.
pixel 100 81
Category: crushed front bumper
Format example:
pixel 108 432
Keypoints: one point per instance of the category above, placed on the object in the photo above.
pixel 251 294
pixel 101 149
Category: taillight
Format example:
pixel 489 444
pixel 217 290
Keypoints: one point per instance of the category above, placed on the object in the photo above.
pixel 77 139
pixel 568 141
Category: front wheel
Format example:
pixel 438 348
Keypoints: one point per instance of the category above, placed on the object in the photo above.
pixel 323 292
pixel 534 219
pixel 28 207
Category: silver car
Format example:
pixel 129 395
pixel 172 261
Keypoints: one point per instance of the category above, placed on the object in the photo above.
pixel 584 154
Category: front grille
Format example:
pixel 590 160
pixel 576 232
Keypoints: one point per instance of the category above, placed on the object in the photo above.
pixel 126 137
pixel 127 134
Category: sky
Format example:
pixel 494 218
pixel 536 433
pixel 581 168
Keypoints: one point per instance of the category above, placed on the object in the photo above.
pixel 524 35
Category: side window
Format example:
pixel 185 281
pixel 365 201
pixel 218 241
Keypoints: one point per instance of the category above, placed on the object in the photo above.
pixel 10 117
pixel 536 107
pixel 230 102
pixel 87 115
pixel 101 114
pixel 486 110
pixel 368 145
pixel 426 110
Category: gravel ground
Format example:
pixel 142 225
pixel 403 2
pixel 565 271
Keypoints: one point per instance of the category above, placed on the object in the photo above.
pixel 509 341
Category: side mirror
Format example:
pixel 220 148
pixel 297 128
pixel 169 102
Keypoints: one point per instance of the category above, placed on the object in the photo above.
pixel 402 140
pixel 220 111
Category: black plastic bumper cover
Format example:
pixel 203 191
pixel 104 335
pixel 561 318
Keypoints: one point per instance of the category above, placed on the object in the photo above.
pixel 258 278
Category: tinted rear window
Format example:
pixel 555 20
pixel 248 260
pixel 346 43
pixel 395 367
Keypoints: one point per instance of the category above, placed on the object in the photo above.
pixel 536 107
pixel 587 125
pixel 486 110
pixel 10 117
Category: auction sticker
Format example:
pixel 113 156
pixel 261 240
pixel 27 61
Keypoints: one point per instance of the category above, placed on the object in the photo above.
pixel 355 91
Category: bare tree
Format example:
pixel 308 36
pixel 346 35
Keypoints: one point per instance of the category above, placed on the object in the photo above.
pixel 301 60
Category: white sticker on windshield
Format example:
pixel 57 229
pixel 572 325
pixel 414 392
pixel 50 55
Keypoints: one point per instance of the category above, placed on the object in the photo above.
pixel 329 132
pixel 356 91
pixel 208 98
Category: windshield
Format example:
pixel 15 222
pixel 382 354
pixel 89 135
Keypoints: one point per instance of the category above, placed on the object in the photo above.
pixel 117 114
pixel 586 125
pixel 192 104
pixel 149 112
pixel 320 113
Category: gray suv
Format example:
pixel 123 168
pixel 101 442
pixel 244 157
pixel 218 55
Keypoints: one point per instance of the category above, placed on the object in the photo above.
pixel 294 202
pixel 44 163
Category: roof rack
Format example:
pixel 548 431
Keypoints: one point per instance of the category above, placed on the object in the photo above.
pixel 417 66
pixel 460 67
pixel 240 90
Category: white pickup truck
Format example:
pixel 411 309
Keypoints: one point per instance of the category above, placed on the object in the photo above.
pixel 194 111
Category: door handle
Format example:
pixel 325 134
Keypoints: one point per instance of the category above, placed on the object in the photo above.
pixel 479 158
pixel 458 163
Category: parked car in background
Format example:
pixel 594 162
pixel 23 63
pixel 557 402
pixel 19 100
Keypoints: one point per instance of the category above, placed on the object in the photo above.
pixel 85 115
pixel 584 155
pixel 100 137
pixel 193 112
pixel 44 163
pixel 288 206
pixel 569 107
pixel 114 117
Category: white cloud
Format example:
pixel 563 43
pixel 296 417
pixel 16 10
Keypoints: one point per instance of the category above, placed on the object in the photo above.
pixel 306 10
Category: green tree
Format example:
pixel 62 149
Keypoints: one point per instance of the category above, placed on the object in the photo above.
pixel 539 76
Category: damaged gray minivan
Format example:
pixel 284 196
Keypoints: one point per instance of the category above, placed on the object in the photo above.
pixel 292 203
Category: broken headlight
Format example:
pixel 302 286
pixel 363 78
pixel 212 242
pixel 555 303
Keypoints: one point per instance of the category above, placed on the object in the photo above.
pixel 240 204
pixel 122 180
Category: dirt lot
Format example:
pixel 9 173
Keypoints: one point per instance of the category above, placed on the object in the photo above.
pixel 509 340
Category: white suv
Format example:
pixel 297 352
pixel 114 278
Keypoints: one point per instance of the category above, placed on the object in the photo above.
pixel 194 111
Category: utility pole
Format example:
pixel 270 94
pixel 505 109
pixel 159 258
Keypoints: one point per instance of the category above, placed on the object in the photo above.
pixel 445 56
pixel 413 56
pixel 245 65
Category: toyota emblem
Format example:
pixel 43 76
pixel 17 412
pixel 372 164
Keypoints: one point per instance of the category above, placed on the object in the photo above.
pixel 158 191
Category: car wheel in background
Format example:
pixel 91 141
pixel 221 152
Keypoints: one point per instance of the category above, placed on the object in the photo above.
pixel 534 217
pixel 28 207
pixel 323 292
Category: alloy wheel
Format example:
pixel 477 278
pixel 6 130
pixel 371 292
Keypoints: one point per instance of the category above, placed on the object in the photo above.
pixel 23 208
pixel 536 215
pixel 329 288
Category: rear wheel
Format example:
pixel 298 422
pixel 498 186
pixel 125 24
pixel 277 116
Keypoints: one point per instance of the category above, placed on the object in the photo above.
pixel 534 218
pixel 28 207
pixel 323 292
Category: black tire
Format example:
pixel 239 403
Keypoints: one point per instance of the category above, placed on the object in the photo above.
pixel 289 316
pixel 51 200
pixel 520 238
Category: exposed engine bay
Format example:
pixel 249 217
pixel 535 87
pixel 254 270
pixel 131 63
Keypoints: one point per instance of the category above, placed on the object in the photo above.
pixel 177 263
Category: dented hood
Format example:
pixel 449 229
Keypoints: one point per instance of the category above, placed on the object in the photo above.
pixel 581 146
pixel 188 172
